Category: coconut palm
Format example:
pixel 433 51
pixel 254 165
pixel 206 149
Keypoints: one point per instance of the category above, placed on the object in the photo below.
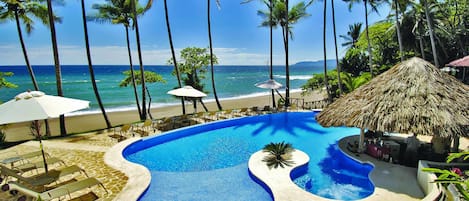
pixel 285 18
pixel 173 55
pixel 211 53
pixel 143 114
pixel 430 31
pixel 271 23
pixel 4 83
pixel 326 82
pixel 20 10
pixel 90 65
pixel 373 4
pixel 353 34
pixel 58 70
pixel 119 12
pixel 336 49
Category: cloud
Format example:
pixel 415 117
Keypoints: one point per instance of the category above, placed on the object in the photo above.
pixel 118 55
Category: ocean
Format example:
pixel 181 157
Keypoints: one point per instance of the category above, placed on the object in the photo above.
pixel 230 81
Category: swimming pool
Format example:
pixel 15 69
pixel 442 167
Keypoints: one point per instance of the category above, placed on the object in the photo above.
pixel 209 161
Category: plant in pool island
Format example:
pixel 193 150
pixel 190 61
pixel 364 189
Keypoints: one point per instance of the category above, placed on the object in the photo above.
pixel 454 176
pixel 279 154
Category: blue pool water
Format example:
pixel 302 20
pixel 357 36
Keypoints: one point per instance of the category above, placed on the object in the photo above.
pixel 209 161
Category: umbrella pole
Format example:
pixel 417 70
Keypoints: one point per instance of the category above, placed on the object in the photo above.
pixel 43 155
pixel 362 140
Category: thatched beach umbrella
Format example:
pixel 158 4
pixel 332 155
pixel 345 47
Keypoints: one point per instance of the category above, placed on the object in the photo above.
pixel 411 97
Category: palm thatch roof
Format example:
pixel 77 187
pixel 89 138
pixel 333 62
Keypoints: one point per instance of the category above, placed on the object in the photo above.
pixel 411 97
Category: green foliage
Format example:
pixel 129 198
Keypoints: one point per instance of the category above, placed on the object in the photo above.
pixel 348 80
pixel 4 82
pixel 453 176
pixel 354 62
pixel 279 154
pixel 194 63
pixel 150 77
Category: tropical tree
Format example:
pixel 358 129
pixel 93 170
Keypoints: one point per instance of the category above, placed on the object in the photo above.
pixel 211 53
pixel 279 154
pixel 119 12
pixel 270 23
pixel 135 12
pixel 430 31
pixel 58 70
pixel 326 83
pixel 285 18
pixel 353 34
pixel 23 11
pixel 173 55
pixel 373 4
pixel 4 83
pixel 336 49
pixel 90 65
pixel 398 5
pixel 193 64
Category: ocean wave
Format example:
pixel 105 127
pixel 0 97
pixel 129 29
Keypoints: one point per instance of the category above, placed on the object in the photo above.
pixel 295 77
pixel 69 82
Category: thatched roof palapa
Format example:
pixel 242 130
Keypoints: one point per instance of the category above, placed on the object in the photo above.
pixel 411 97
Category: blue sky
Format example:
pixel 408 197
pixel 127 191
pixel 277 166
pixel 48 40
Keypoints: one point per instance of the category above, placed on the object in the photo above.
pixel 237 37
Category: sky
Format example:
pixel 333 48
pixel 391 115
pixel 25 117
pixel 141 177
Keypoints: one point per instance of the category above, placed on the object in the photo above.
pixel 236 35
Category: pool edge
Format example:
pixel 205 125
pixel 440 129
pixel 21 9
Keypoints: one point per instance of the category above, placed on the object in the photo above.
pixel 139 176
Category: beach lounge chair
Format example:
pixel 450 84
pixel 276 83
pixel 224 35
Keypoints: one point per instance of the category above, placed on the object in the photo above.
pixel 226 114
pixel 198 117
pixel 124 130
pixel 38 164
pixel 22 158
pixel 241 112
pixel 59 192
pixel 40 180
pixel 165 124
pixel 145 128
pixel 211 116
pixel 181 121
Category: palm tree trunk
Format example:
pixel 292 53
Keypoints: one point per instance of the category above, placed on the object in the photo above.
pixel 28 65
pixel 287 68
pixel 271 50
pixel 173 55
pixel 336 51
pixel 398 31
pixel 211 58
pixel 370 56
pixel 134 85
pixel 90 65
pixel 143 115
pixel 430 30
pixel 326 81
pixel 58 73
pixel 422 49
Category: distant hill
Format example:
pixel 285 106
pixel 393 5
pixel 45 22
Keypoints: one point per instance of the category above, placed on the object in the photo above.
pixel 319 64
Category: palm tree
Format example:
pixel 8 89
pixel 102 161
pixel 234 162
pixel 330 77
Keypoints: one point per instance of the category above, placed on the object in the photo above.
pixel 58 71
pixel 19 10
pixel 430 30
pixel 373 4
pixel 398 30
pixel 271 23
pixel 211 53
pixel 118 12
pixel 326 82
pixel 90 65
pixel 285 17
pixel 336 49
pixel 353 34
pixel 173 55
pixel 143 114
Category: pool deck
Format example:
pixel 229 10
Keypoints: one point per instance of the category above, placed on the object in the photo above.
pixel 101 157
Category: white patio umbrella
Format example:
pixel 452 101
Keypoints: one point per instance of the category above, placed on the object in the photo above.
pixel 36 105
pixel 270 84
pixel 187 91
